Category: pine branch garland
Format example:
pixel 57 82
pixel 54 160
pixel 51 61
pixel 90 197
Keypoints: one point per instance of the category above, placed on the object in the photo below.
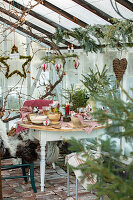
pixel 95 38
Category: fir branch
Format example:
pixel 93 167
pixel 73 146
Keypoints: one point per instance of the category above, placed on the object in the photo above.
pixel 53 58
pixel 94 38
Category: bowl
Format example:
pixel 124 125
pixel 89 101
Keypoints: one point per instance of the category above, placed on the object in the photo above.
pixel 29 115
pixel 38 119
pixel 54 117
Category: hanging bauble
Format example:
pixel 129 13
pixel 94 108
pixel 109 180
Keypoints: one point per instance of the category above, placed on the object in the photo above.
pixel 44 67
pixel 119 67
pixel 46 122
pixel 57 67
pixel 76 64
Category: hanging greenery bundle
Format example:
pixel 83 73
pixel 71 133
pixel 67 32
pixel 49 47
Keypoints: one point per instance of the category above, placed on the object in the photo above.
pixel 95 38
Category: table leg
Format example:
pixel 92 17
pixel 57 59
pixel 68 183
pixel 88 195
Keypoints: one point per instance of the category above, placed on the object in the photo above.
pixel 42 165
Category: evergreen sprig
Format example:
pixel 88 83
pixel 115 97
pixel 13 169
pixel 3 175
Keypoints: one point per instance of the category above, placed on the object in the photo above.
pixel 95 38
pixel 54 57
pixel 113 168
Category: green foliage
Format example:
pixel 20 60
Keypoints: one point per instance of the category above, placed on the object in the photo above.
pixel 114 177
pixel 76 97
pixel 114 172
pixel 95 82
pixel 53 58
pixel 95 38
pixel 79 99
pixel 119 112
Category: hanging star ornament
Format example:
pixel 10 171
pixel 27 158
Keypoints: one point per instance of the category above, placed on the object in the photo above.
pixel 22 74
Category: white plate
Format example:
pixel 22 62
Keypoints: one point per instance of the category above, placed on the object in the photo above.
pixel 36 122
pixel 38 118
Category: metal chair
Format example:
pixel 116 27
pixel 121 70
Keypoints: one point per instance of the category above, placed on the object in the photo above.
pixel 23 166
pixel 33 103
pixel 74 160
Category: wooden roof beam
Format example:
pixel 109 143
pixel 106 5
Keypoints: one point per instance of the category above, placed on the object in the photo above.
pixel 63 13
pixel 39 29
pixel 36 15
pixel 7 12
pixel 95 10
pixel 126 4
pixel 25 31
pixel 40 39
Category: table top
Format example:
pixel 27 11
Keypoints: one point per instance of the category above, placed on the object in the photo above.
pixel 49 128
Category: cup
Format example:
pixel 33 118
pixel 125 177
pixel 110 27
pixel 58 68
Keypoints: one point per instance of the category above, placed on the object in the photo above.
pixel 45 110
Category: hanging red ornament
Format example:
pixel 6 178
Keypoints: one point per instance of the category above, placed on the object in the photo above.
pixel 57 67
pixel 76 64
pixel 44 67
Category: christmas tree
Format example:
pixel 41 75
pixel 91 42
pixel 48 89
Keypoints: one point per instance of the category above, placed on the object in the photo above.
pixel 114 169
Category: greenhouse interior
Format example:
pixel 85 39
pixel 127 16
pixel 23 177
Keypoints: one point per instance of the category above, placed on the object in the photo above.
pixel 66 99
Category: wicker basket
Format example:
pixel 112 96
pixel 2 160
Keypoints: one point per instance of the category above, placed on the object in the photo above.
pixel 54 117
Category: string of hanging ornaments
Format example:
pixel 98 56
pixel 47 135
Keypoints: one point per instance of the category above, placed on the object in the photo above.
pixel 52 57
pixel 75 62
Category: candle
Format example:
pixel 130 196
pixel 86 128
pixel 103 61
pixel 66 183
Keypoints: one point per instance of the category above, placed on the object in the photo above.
pixel 67 110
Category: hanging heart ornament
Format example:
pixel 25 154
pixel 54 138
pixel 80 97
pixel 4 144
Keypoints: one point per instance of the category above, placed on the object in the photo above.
pixel 119 67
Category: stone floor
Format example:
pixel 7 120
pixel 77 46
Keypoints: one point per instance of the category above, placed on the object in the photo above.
pixel 56 186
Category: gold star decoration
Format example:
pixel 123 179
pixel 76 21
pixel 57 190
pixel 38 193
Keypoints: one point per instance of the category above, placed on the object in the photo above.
pixel 8 74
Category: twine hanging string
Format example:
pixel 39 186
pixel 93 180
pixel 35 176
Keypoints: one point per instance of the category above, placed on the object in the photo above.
pixel 14 35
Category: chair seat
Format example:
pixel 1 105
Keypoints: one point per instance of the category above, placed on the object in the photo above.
pixel 75 160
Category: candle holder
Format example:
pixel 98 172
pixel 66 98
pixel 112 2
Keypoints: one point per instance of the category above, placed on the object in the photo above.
pixel 66 118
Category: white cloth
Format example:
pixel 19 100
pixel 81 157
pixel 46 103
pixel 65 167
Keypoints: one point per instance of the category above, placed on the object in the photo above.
pixel 75 160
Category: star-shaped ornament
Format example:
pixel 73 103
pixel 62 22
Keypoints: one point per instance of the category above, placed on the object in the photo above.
pixel 23 73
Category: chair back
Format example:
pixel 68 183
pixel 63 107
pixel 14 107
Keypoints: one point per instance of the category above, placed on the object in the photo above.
pixel 37 103
pixel 33 103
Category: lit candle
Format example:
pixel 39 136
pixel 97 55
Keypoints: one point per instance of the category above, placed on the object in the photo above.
pixel 67 110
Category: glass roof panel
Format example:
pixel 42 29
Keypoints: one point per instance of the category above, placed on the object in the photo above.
pixel 53 16
pixel 70 7
pixel 40 24
pixel 105 5
pixel 78 11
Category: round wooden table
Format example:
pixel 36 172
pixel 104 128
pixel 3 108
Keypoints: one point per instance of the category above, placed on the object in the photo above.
pixel 47 133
